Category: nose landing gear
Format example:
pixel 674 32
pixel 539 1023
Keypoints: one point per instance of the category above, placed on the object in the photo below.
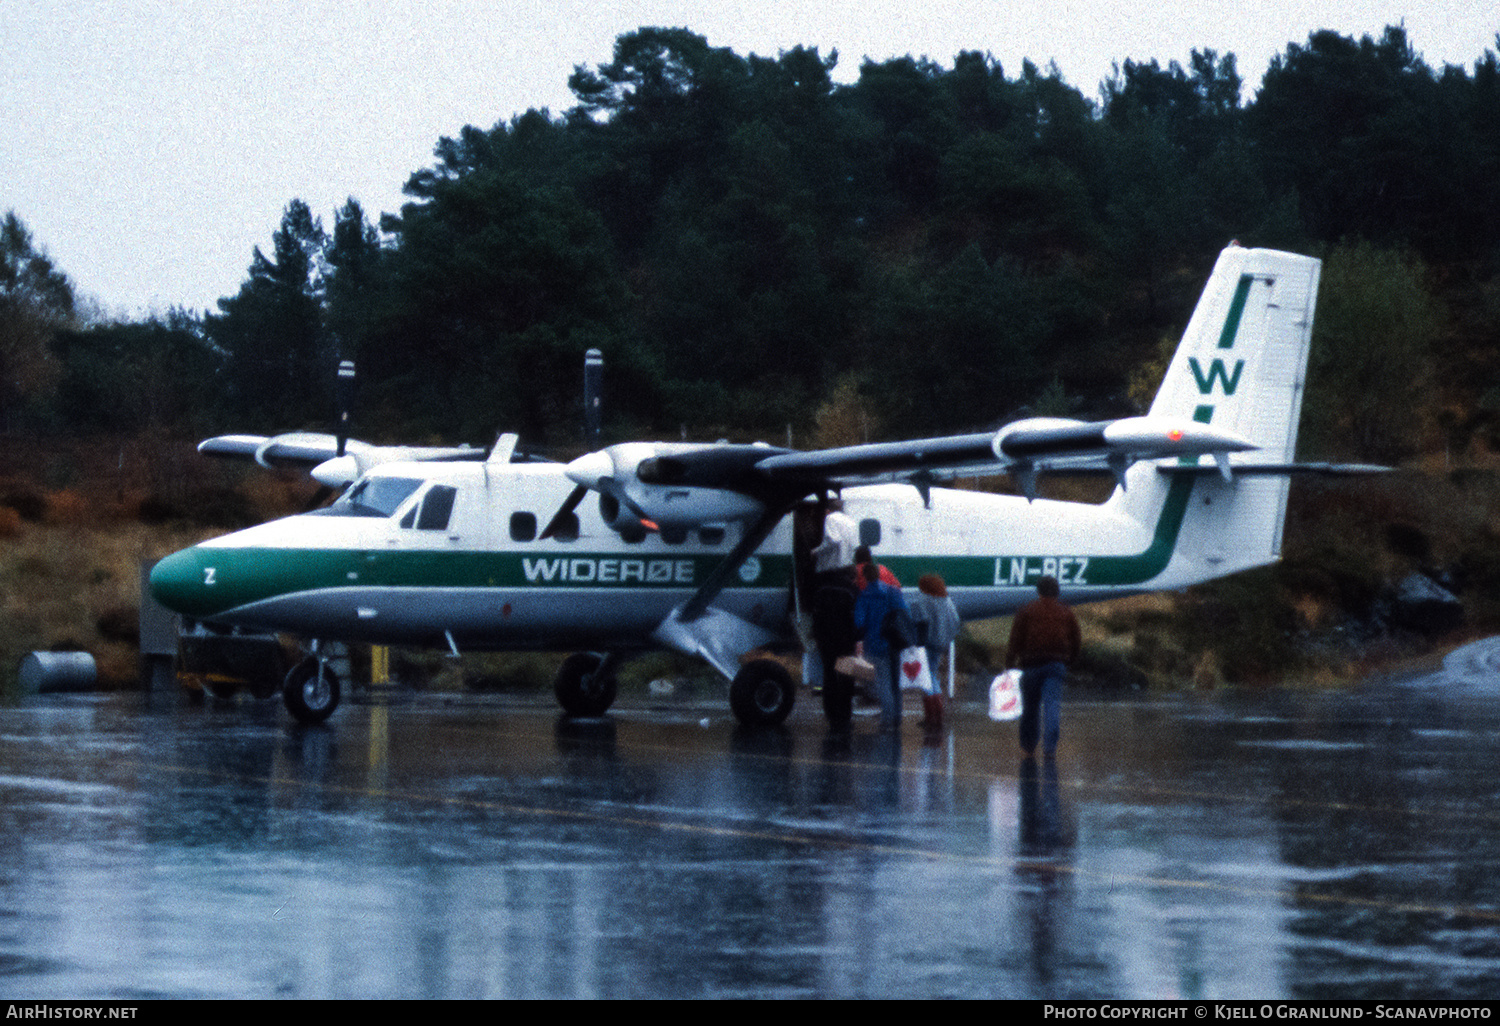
pixel 311 691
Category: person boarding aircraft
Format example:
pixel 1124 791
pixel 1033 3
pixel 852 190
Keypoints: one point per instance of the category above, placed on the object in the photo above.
pixel 690 547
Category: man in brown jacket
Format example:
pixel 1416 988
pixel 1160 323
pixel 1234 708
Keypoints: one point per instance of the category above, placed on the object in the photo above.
pixel 1044 640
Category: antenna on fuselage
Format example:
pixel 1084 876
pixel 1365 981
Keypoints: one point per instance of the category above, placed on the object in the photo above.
pixel 593 383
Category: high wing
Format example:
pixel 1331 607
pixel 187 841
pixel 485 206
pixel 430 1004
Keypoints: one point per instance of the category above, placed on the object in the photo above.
pixel 1023 449
pixel 654 485
pixel 333 461
pixel 677 484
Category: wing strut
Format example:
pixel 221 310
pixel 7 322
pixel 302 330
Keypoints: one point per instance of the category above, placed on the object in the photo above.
pixel 714 635
pixel 754 535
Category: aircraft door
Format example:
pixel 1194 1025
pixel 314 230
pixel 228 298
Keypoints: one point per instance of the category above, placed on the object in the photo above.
pixel 807 534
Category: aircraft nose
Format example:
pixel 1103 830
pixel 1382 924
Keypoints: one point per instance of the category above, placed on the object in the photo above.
pixel 177 582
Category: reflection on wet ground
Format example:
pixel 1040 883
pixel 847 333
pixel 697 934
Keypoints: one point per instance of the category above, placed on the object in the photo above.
pixel 1281 844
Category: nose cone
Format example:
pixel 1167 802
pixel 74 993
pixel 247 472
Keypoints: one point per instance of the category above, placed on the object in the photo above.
pixel 184 584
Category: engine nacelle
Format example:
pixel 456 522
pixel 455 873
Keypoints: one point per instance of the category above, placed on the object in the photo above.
pixel 669 484
pixel 1049 435
pixel 678 507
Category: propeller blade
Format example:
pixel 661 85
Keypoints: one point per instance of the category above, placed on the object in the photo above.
pixel 555 524
pixel 344 389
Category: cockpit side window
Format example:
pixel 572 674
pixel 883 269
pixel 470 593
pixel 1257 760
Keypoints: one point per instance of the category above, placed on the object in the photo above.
pixel 375 497
pixel 437 508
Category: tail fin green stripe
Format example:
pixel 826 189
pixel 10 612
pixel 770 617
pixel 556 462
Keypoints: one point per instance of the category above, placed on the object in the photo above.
pixel 1236 311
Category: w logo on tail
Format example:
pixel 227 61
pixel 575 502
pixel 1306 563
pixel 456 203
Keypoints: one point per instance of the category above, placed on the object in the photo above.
pixel 1228 380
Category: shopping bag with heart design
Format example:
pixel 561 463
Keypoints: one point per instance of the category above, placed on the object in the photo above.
pixel 915 673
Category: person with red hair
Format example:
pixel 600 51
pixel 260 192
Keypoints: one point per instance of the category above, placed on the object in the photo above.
pixel 936 618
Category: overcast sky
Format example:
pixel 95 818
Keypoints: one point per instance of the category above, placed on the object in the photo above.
pixel 150 145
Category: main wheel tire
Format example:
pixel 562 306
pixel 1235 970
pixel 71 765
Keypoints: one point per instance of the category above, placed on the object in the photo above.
pixel 581 688
pixel 311 691
pixel 762 693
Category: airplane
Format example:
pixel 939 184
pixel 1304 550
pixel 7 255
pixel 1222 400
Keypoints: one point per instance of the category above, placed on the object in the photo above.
pixel 693 546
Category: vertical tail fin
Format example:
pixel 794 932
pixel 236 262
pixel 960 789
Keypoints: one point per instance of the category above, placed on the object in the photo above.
pixel 1241 366
pixel 1243 357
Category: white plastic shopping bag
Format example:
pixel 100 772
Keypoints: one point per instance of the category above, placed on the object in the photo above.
pixel 915 673
pixel 1005 696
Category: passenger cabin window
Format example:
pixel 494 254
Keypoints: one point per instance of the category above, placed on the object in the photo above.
pixel 711 535
pixel 437 508
pixel 523 527
pixel 869 532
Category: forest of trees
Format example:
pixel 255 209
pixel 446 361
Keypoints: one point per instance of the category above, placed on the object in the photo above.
pixel 757 250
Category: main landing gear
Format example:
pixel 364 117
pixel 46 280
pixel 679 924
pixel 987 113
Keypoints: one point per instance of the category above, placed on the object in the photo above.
pixel 585 684
pixel 762 693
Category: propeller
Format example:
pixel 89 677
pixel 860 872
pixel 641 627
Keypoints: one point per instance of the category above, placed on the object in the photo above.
pixel 600 471
pixel 561 516
pixel 596 472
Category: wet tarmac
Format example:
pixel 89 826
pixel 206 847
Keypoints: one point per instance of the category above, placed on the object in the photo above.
pixel 1286 844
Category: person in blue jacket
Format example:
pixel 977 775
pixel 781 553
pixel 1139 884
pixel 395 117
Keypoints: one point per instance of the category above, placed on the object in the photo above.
pixel 872 613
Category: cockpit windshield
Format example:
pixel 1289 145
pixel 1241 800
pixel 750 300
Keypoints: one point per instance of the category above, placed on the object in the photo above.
pixel 375 497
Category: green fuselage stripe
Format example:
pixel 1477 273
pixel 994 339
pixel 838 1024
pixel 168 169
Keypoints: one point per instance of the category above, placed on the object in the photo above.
pixel 206 581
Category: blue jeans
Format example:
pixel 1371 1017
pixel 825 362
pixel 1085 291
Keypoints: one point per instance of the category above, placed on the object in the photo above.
pixel 1041 700
pixel 887 690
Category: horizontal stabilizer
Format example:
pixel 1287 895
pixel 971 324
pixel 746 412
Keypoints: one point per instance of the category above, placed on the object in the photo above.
pixel 1280 469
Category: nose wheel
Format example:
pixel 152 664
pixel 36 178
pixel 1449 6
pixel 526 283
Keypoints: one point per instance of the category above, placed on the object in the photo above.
pixel 311 691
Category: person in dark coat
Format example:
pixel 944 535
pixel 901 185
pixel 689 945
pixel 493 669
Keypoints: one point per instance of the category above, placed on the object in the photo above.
pixel 834 634
pixel 1044 641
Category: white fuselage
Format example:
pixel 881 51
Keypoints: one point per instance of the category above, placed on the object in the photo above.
pixel 482 576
